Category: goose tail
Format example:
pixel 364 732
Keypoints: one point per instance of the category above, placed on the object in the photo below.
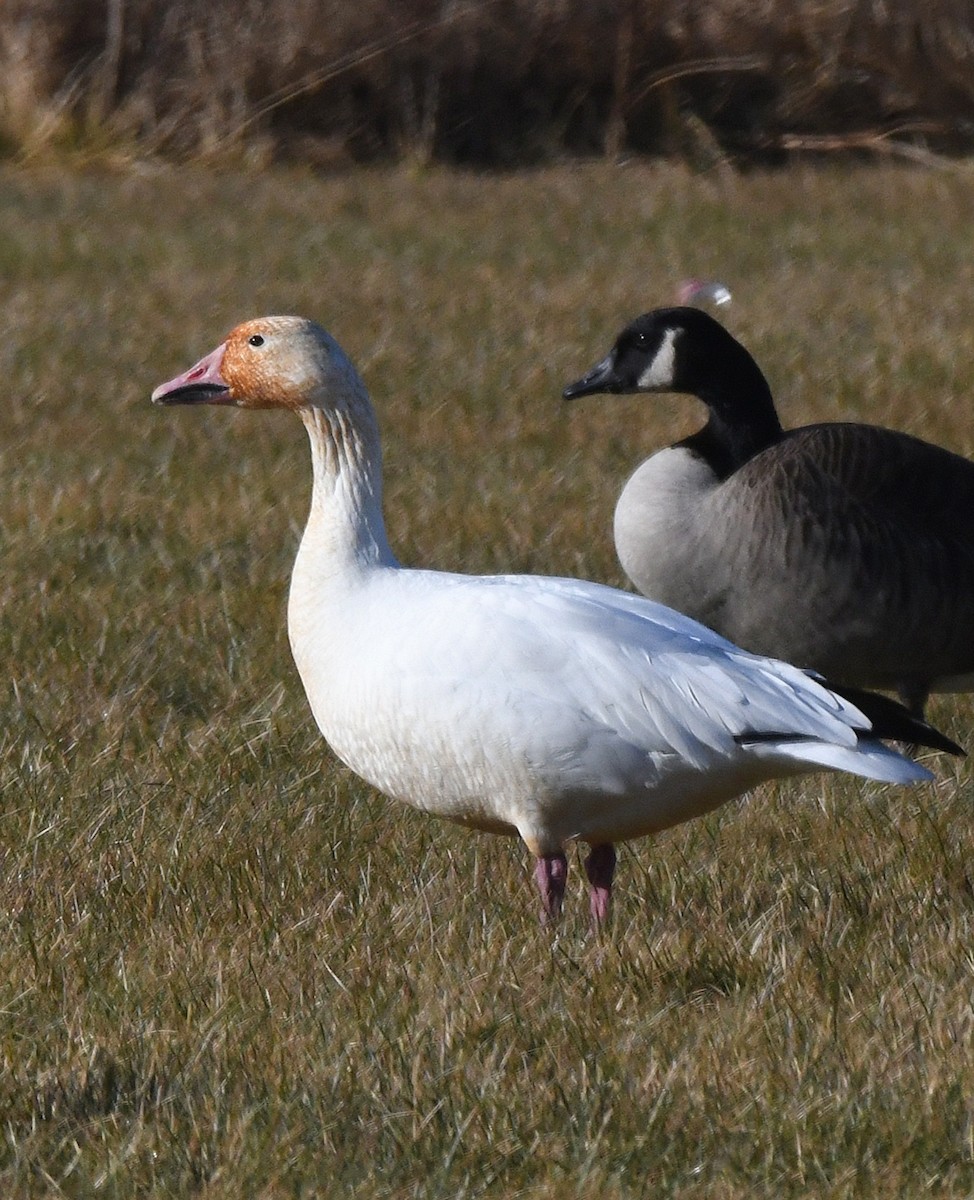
pixel 881 718
pixel 869 759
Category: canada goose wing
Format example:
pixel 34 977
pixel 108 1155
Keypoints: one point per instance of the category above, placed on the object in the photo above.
pixel 864 572
pixel 907 480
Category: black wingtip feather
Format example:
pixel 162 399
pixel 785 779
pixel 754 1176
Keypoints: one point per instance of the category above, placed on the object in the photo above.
pixel 891 720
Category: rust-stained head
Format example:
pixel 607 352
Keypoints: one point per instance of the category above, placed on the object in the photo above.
pixel 269 362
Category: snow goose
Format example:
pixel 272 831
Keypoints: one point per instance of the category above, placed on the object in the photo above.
pixel 552 709
pixel 842 547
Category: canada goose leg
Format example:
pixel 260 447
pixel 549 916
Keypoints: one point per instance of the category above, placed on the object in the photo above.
pixel 914 697
pixel 551 872
pixel 600 867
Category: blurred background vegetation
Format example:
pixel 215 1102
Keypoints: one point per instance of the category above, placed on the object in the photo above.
pixel 485 82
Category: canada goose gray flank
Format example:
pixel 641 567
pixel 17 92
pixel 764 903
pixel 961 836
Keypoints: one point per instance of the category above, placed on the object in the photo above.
pixel 551 709
pixel 841 547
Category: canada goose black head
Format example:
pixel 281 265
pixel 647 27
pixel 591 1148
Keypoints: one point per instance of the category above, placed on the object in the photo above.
pixel 685 350
pixel 670 350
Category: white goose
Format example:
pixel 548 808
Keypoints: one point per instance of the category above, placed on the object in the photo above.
pixel 552 709
pixel 842 547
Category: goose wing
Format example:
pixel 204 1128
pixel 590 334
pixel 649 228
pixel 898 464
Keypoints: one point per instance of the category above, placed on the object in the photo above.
pixel 899 478
pixel 560 651
pixel 851 549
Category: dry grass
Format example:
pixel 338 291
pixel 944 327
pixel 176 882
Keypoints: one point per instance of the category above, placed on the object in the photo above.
pixel 228 969
pixel 496 82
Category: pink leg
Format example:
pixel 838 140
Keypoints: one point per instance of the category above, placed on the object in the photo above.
pixel 600 867
pixel 551 872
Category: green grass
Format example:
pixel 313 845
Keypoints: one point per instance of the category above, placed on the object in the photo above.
pixel 229 969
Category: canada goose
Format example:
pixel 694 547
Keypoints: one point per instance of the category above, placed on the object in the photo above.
pixel 842 547
pixel 552 709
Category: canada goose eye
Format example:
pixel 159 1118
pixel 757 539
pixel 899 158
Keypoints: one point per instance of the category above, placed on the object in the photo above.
pixel 255 339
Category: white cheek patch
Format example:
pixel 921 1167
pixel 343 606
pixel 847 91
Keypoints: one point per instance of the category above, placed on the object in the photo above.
pixel 659 373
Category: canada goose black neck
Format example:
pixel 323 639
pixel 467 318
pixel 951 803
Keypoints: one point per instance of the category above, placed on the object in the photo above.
pixel 742 420
pixel 713 366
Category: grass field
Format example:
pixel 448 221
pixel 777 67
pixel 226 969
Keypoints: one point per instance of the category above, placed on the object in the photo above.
pixel 227 968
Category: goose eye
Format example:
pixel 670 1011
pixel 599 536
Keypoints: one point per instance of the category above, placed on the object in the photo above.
pixel 255 340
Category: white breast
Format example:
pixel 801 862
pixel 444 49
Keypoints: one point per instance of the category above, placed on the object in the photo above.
pixel 663 531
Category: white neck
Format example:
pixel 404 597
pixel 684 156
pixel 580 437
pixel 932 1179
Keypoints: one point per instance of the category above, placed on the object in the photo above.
pixel 345 530
pixel 344 550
